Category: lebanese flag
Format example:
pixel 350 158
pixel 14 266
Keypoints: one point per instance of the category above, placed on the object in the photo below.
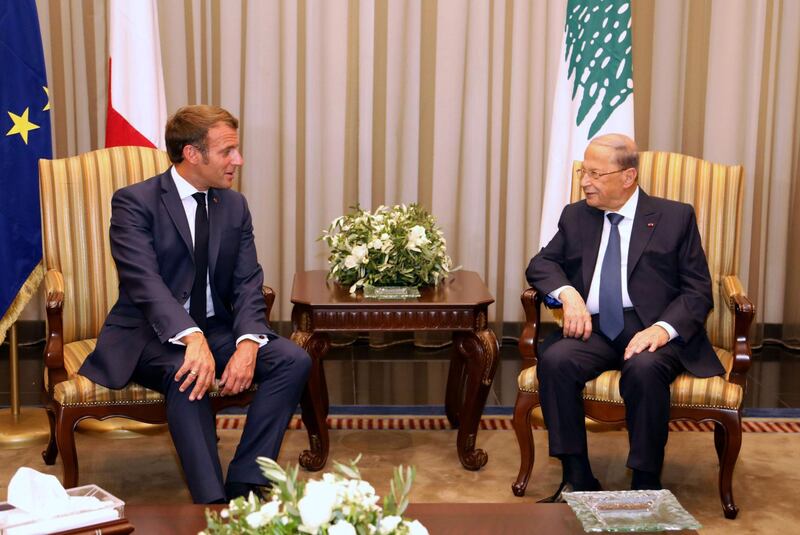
pixel 593 96
pixel 137 107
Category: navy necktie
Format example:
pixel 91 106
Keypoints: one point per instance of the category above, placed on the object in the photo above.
pixel 197 305
pixel 611 319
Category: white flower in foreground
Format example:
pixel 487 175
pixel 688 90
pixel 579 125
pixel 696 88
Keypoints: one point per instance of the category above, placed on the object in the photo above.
pixel 416 528
pixel 375 244
pixel 256 519
pixel 270 509
pixel 342 527
pixel 361 253
pixel 316 506
pixel 388 524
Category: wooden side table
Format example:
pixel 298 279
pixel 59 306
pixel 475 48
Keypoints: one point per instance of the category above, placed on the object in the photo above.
pixel 459 304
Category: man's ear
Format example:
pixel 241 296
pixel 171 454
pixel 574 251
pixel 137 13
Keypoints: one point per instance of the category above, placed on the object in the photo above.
pixel 630 175
pixel 190 154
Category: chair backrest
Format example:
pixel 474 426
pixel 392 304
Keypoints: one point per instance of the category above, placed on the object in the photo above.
pixel 76 211
pixel 716 192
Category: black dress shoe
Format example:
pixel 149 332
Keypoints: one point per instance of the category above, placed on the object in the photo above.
pixel 642 480
pixel 566 487
pixel 234 489
pixel 558 497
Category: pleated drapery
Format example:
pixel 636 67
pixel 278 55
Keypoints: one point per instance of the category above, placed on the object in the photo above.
pixel 447 103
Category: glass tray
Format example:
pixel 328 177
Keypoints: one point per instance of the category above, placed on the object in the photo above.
pixel 630 510
pixel 391 292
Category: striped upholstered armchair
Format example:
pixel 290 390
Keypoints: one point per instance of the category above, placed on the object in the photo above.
pixel 81 286
pixel 715 191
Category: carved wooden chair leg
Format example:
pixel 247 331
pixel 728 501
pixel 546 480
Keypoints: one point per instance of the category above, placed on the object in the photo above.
pixel 51 451
pixel 719 441
pixel 730 427
pixel 65 439
pixel 526 401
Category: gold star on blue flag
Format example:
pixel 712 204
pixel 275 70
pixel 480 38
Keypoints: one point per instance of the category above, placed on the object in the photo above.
pixel 24 139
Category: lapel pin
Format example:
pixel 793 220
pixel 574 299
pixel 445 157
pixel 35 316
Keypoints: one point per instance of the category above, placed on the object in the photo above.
pixel 649 225
pixel 216 201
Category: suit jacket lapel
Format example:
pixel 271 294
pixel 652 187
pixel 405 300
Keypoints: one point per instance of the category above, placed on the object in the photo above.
pixel 214 229
pixel 644 223
pixel 591 220
pixel 172 202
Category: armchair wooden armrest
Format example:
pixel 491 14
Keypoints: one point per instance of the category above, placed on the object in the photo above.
pixel 269 300
pixel 54 288
pixel 54 350
pixel 743 310
pixel 529 338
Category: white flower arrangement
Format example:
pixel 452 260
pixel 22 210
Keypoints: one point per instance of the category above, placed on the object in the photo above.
pixel 397 246
pixel 341 503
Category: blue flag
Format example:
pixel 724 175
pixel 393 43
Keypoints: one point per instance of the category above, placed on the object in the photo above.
pixel 24 138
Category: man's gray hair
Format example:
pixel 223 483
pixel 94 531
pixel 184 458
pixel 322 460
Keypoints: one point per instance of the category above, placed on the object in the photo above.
pixel 626 152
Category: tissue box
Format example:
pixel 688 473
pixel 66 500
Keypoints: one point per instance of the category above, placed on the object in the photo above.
pixel 15 522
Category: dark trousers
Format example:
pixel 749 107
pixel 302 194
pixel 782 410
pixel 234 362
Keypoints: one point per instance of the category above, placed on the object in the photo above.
pixel 281 372
pixel 566 364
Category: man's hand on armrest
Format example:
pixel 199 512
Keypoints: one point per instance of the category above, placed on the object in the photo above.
pixel 577 320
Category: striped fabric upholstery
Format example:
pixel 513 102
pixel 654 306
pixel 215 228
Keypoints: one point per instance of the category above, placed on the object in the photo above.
pixel 715 191
pixel 78 390
pixel 686 391
pixel 76 211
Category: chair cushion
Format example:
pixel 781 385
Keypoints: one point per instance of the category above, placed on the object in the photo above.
pixel 79 390
pixel 686 391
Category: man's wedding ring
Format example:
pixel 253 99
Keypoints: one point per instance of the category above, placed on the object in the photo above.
pixel 193 373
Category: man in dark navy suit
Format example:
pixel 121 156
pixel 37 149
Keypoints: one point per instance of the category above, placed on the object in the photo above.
pixel 631 274
pixel 190 307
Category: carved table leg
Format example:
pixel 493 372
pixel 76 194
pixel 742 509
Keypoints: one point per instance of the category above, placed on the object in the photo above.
pixel 454 395
pixel 314 403
pixel 479 349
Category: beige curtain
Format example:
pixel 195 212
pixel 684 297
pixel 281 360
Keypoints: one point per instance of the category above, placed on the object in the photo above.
pixel 447 103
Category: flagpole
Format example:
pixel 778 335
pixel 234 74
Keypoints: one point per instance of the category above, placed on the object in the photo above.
pixel 20 427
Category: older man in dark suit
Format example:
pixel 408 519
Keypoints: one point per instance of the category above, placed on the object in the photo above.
pixel 190 307
pixel 633 279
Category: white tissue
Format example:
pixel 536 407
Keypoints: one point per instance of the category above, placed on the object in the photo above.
pixel 40 495
pixel 41 505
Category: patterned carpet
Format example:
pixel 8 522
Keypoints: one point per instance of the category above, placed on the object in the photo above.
pixel 495 423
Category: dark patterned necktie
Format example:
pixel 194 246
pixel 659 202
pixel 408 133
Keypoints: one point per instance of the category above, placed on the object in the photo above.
pixel 611 319
pixel 197 305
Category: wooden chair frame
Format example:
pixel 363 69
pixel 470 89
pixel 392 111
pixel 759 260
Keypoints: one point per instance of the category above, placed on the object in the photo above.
pixel 64 418
pixel 727 422
pixel 75 196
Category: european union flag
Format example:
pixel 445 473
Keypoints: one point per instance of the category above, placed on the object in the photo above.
pixel 24 138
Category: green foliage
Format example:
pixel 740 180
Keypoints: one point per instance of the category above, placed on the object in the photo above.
pixel 598 48
pixel 341 503
pixel 397 246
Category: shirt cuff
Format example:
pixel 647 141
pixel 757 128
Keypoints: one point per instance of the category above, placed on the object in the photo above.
pixel 177 338
pixel 260 339
pixel 555 293
pixel 667 327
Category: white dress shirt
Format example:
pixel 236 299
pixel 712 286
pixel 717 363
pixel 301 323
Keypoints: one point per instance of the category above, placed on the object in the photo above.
pixel 185 192
pixel 628 212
